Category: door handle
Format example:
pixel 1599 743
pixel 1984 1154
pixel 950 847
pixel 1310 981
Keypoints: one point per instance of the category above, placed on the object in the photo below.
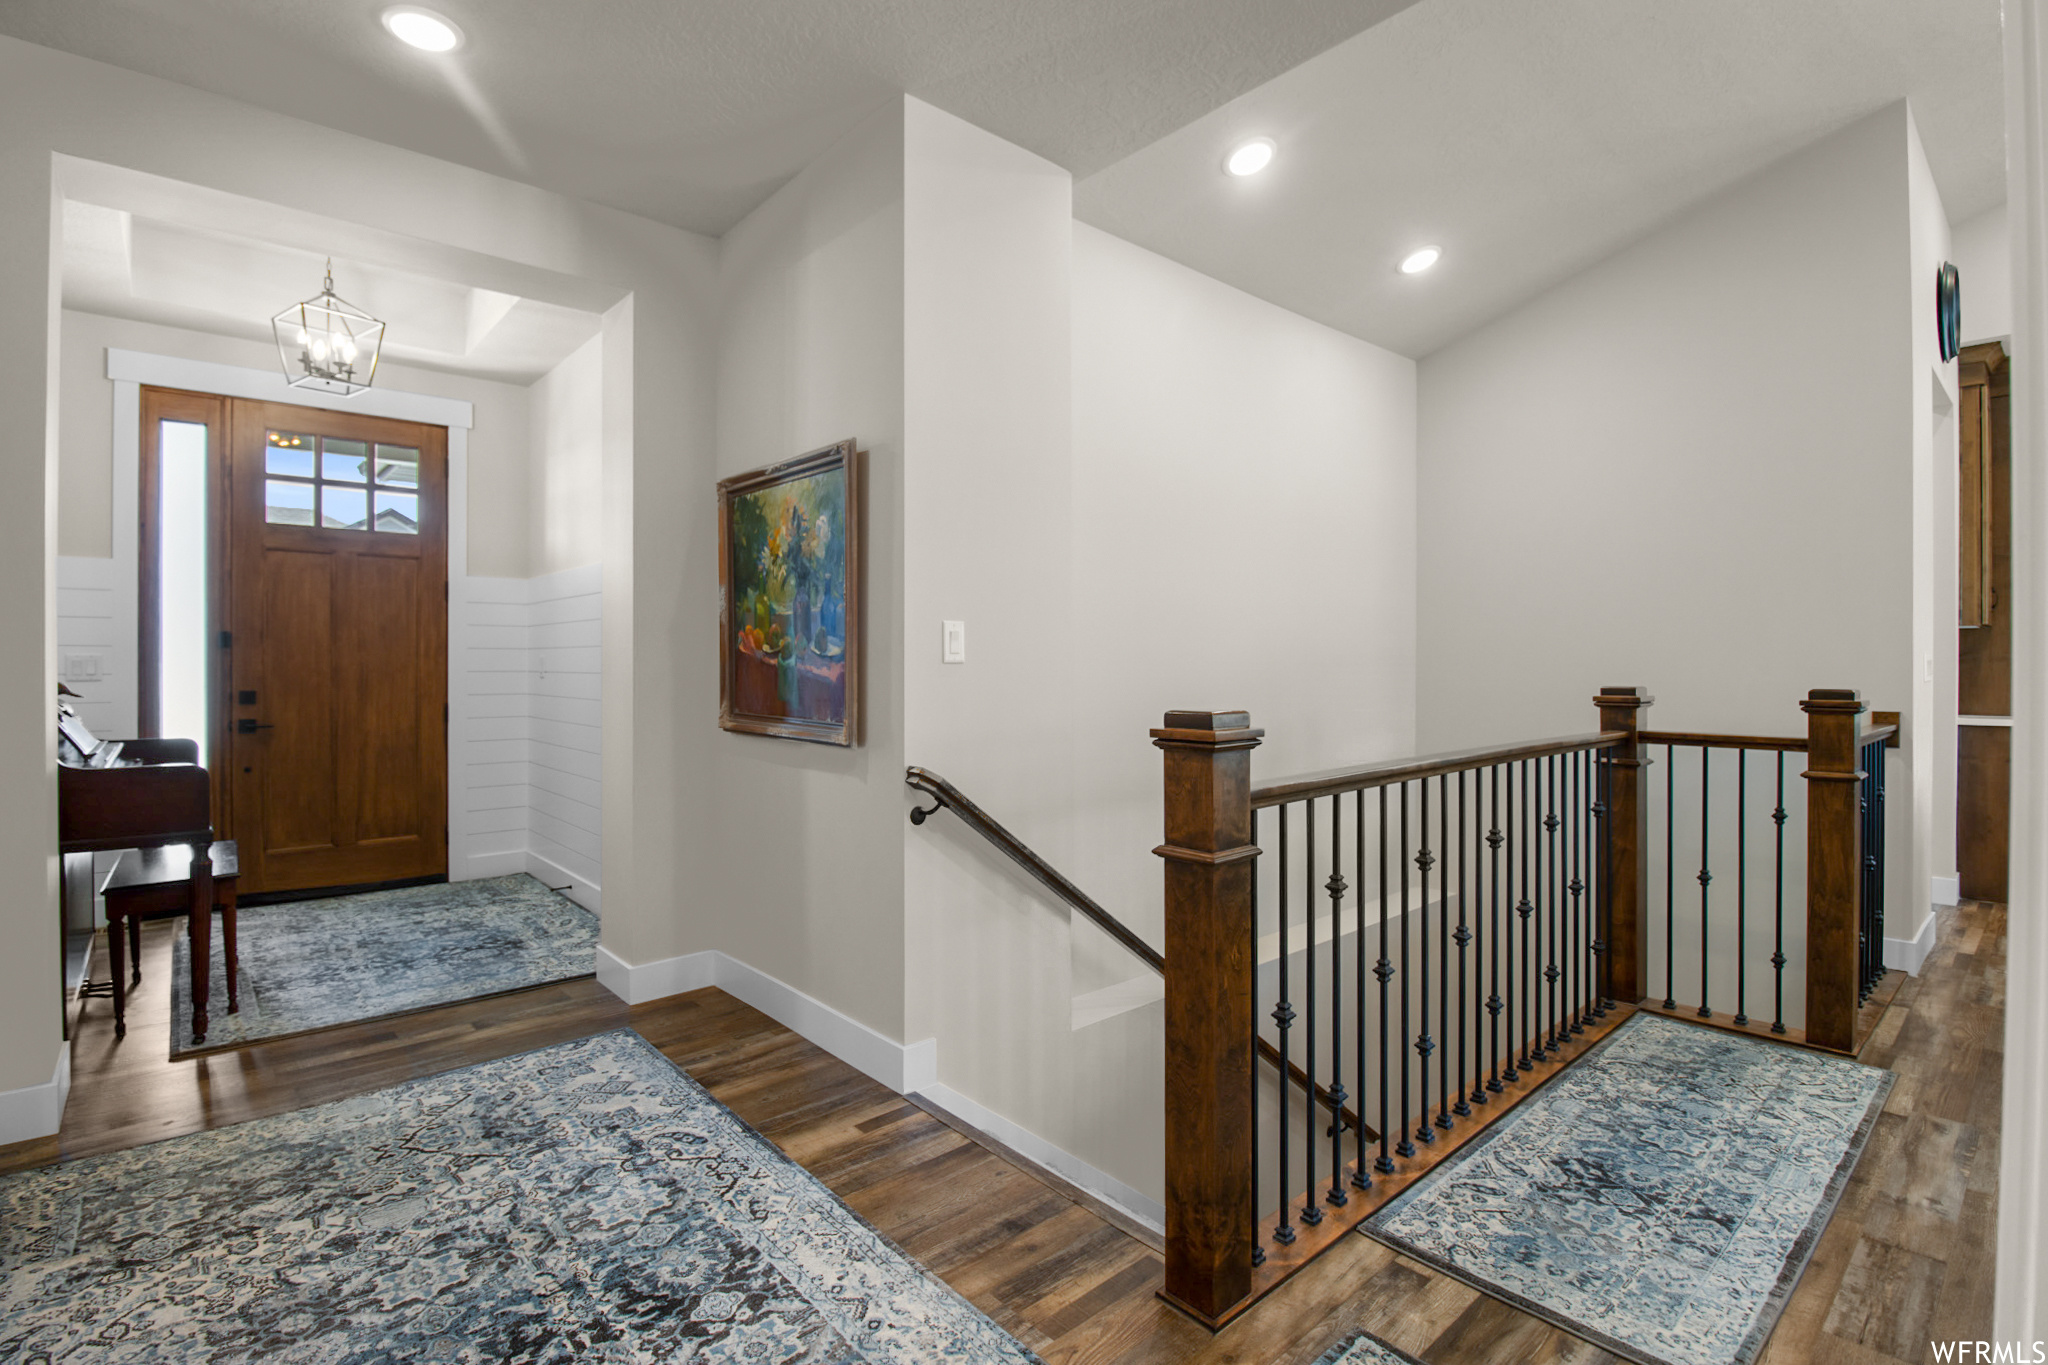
pixel 250 727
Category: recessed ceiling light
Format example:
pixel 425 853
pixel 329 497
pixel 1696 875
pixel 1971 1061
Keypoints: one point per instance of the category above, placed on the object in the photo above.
pixel 1419 261
pixel 422 28
pixel 1251 157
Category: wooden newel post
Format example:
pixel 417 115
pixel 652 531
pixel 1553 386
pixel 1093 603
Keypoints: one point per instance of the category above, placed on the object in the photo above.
pixel 1628 840
pixel 1210 1192
pixel 1834 866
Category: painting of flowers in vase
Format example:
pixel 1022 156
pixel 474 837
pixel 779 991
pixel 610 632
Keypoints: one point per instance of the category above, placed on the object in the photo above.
pixel 789 598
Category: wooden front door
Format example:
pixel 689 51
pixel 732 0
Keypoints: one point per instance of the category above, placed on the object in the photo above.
pixel 337 749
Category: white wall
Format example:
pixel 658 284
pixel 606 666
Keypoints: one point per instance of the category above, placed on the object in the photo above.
pixel 808 881
pixel 1692 468
pixel 565 484
pixel 1214 438
pixel 1982 251
pixel 1936 474
pixel 528 771
pixel 656 283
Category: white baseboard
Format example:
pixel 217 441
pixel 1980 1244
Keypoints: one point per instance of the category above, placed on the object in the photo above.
pixel 1029 1145
pixel 903 1067
pixel 36 1111
pixel 478 866
pixel 638 984
pixel 1908 954
pixel 582 890
pixel 1948 890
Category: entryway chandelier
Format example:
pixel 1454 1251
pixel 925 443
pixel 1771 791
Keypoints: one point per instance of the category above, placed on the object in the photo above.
pixel 327 344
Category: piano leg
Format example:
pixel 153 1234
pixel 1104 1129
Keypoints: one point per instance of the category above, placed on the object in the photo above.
pixel 201 920
pixel 116 946
pixel 227 934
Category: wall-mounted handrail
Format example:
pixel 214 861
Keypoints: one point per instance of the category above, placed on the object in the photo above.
pixel 991 829
pixel 950 797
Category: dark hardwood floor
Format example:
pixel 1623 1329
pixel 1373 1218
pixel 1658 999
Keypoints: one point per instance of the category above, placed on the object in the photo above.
pixel 1906 1259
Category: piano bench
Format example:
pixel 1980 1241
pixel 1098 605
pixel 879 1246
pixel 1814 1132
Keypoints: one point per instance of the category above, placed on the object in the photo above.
pixel 150 883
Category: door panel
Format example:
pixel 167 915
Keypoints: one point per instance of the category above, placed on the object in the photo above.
pixel 338 611
pixel 295 622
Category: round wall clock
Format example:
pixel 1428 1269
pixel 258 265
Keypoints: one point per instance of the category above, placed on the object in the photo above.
pixel 1948 311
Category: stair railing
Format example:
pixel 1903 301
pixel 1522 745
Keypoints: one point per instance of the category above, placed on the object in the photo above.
pixel 1435 939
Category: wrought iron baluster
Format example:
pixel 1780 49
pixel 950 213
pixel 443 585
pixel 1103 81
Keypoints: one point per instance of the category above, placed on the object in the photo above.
pixel 1525 911
pixel 1311 1212
pixel 1424 1044
pixel 1575 838
pixel 1443 948
pixel 1405 1147
pixel 1778 912
pixel 1337 887
pixel 1877 899
pixel 1361 1173
pixel 1604 901
pixel 1464 939
pixel 1494 839
pixel 1283 1020
pixel 1384 971
pixel 1670 867
pixel 1706 879
pixel 1863 883
pixel 1742 886
pixel 1554 912
pixel 1258 1252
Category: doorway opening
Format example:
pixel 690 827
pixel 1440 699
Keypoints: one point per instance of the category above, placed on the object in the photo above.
pixel 294 621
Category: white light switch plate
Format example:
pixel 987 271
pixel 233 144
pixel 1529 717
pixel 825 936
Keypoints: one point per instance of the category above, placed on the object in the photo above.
pixel 954 649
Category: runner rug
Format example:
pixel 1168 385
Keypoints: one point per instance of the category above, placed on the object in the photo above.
pixel 1659 1198
pixel 587 1202
pixel 313 964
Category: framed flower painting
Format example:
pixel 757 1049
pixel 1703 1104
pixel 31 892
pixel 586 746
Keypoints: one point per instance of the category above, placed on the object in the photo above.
pixel 789 598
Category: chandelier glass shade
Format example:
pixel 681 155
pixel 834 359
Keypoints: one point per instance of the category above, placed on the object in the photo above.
pixel 328 344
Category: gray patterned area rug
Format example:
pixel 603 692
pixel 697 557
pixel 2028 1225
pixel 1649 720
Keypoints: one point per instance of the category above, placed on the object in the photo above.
pixel 1659 1198
pixel 587 1202
pixel 313 964
pixel 1363 1348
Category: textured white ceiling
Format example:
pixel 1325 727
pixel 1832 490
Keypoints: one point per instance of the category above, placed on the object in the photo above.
pixel 693 111
pixel 1532 140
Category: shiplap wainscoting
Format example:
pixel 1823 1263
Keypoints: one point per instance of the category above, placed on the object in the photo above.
pixel 524 762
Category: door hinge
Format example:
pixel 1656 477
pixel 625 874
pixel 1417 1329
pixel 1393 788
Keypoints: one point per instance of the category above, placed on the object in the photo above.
pixel 444 713
pixel 227 639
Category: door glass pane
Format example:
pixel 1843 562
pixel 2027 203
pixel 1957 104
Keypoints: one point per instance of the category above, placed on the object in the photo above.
pixel 399 512
pixel 287 503
pixel 181 582
pixel 345 509
pixel 348 461
pixel 398 466
pixel 288 452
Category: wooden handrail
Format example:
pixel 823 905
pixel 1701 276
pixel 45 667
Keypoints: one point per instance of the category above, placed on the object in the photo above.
pixel 1384 774
pixel 1686 739
pixel 991 829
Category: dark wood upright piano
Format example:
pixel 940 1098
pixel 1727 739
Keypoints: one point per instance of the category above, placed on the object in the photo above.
pixel 140 793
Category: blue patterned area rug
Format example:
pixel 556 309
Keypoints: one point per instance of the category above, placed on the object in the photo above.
pixel 313 964
pixel 1659 1198
pixel 1363 1348
pixel 587 1202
